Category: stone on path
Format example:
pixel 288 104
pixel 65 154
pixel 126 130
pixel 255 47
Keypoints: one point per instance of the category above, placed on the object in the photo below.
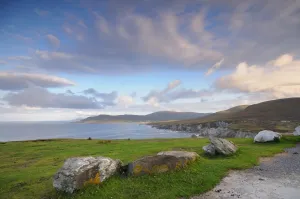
pixel 79 171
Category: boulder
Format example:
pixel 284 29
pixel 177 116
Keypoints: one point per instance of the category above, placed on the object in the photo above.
pixel 297 131
pixel 79 171
pixel 190 156
pixel 156 164
pixel 223 146
pixel 209 149
pixel 267 136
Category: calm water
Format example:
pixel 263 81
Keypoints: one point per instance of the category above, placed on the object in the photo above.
pixel 13 131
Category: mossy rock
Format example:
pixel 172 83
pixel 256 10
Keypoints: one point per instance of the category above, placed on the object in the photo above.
pixel 156 164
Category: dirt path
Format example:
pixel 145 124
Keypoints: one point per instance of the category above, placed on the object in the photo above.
pixel 274 178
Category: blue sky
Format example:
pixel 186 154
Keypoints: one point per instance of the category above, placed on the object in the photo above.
pixel 61 60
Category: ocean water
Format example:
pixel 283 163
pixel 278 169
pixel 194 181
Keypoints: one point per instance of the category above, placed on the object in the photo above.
pixel 16 131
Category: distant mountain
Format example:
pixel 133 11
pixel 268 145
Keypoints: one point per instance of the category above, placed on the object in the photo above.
pixel 153 117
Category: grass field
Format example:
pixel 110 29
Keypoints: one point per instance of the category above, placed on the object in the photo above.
pixel 26 168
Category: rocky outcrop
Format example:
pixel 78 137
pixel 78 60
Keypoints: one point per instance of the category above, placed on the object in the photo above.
pixel 156 164
pixel 79 171
pixel 215 129
pixel 297 131
pixel 190 156
pixel 267 136
pixel 220 146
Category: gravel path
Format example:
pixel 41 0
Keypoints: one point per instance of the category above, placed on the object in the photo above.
pixel 274 178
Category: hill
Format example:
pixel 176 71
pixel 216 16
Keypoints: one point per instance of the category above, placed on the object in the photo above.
pixel 153 117
pixel 282 115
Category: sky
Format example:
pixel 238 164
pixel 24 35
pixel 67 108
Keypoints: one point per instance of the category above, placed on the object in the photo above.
pixel 70 59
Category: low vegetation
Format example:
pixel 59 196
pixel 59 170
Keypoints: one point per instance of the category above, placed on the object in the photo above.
pixel 26 168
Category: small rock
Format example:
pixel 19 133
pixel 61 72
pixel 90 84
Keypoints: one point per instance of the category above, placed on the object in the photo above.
pixel 218 190
pixel 209 149
pixel 261 179
pixel 296 152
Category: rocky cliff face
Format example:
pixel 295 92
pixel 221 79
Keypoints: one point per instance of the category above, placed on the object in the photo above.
pixel 216 129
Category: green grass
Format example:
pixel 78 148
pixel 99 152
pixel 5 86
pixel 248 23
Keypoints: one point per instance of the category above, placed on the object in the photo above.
pixel 26 168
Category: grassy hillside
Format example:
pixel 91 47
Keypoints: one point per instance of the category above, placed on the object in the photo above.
pixel 270 115
pixel 26 168
pixel 156 116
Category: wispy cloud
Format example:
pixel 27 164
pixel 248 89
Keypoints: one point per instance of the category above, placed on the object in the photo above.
pixel 214 67
pixel 40 97
pixel 54 41
pixel 173 93
pixel 18 81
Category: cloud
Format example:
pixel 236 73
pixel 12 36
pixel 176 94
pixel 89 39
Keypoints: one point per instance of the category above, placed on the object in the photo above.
pixel 67 29
pixel 279 78
pixel 60 61
pixel 158 38
pixel 107 98
pixel 101 24
pixel 18 81
pixel 214 67
pixel 173 93
pixel 125 101
pixel 40 97
pixel 54 41
pixel 175 35
pixel 41 13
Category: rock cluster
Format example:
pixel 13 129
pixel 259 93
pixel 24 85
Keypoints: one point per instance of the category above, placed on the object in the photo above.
pixel 267 136
pixel 297 131
pixel 219 146
pixel 80 171
pixel 215 129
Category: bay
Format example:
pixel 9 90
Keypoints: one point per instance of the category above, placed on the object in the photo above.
pixel 18 131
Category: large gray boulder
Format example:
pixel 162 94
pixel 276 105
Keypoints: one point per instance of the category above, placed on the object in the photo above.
pixel 267 136
pixel 297 131
pixel 209 149
pixel 156 164
pixel 222 146
pixel 191 156
pixel 79 171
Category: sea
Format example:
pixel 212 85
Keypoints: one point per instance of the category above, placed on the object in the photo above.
pixel 19 131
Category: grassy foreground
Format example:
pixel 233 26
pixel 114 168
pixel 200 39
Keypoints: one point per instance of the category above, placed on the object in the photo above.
pixel 26 168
